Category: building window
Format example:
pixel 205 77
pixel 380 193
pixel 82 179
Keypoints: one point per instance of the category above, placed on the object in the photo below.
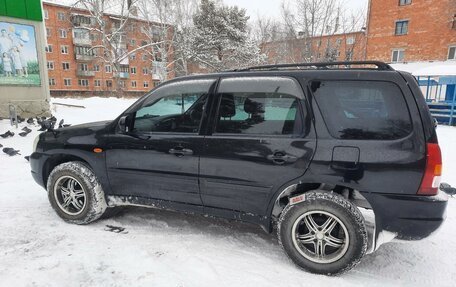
pixel 67 82
pixel 452 53
pixel 133 56
pixel 96 68
pixel 122 84
pixel 97 83
pixel 108 69
pixel 48 32
pixel 51 82
pixel 398 55
pixel 145 71
pixel 83 82
pixel 109 83
pixel 339 41
pixel 86 51
pixel 48 48
pixel 146 84
pixel 133 42
pixel 350 40
pixel 63 33
pixel 133 84
pixel 133 70
pixel 50 65
pixel 64 49
pixel 66 66
pixel 401 27
pixel 61 16
pixel 46 14
pixel 156 84
pixel 144 57
pixel 405 2
pixel 83 67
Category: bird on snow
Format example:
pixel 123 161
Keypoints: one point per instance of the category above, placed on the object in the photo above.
pixel 7 134
pixel 10 151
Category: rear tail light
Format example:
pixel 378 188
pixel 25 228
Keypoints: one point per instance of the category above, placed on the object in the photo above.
pixel 431 179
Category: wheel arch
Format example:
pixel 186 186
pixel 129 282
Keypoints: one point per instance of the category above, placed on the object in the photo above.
pixel 57 159
pixel 282 198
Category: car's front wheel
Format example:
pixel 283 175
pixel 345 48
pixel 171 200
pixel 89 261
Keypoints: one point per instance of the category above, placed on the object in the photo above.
pixel 324 233
pixel 75 193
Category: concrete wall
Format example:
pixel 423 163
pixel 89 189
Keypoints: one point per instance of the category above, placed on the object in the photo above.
pixel 29 100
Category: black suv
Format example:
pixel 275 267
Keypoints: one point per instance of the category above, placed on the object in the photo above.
pixel 340 157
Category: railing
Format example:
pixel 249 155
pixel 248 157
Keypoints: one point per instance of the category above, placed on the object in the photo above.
pixel 82 41
pixel 80 57
pixel 440 94
pixel 122 75
pixel 82 73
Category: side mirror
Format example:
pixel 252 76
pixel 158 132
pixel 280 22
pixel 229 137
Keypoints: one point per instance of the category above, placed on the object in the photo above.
pixel 122 125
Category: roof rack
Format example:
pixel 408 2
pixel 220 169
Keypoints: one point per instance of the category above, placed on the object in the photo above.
pixel 323 65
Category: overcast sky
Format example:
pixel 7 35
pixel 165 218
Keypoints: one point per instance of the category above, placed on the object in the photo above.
pixel 271 8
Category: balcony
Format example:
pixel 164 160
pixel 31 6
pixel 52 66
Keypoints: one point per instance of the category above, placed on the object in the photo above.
pixel 122 75
pixel 80 20
pixel 82 41
pixel 82 73
pixel 84 58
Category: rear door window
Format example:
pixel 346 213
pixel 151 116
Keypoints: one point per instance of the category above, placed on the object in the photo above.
pixel 259 106
pixel 363 109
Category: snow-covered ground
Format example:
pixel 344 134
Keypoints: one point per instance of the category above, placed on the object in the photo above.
pixel 164 248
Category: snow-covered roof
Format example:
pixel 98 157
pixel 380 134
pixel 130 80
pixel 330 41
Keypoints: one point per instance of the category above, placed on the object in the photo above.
pixel 433 69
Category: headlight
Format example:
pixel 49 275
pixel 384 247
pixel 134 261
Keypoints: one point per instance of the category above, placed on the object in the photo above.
pixel 35 142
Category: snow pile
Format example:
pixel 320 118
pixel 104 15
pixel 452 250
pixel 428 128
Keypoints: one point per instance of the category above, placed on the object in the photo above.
pixel 164 248
pixel 438 68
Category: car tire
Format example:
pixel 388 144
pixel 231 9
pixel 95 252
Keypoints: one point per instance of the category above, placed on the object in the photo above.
pixel 305 233
pixel 75 193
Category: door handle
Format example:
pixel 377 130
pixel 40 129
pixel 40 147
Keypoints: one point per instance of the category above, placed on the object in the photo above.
pixel 180 151
pixel 280 158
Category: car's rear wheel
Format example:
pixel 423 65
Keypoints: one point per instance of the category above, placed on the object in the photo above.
pixel 323 234
pixel 75 193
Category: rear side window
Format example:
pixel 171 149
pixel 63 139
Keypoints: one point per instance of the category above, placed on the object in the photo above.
pixel 259 106
pixel 363 109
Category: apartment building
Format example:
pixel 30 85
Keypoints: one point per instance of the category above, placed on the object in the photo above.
pixel 74 66
pixel 335 47
pixel 411 30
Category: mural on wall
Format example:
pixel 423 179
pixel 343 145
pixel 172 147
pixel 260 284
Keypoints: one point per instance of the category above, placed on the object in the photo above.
pixel 18 55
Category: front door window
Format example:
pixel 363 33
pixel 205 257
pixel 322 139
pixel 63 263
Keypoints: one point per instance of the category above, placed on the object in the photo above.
pixel 176 108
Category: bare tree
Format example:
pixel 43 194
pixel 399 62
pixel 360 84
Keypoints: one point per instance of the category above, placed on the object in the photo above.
pixel 309 25
pixel 110 23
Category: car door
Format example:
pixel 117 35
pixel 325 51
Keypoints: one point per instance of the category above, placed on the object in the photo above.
pixel 158 158
pixel 262 139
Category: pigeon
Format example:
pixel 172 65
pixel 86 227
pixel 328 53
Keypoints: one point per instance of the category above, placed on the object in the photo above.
pixel 20 119
pixel 10 151
pixel 25 132
pixel 30 121
pixel 7 134
pixel 47 124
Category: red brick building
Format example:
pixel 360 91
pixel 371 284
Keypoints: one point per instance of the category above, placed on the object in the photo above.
pixel 75 69
pixel 411 30
pixel 337 47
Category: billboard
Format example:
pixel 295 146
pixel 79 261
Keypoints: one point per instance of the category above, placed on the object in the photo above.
pixel 18 55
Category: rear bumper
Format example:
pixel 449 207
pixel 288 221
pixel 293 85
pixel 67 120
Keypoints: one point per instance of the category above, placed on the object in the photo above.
pixel 409 217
